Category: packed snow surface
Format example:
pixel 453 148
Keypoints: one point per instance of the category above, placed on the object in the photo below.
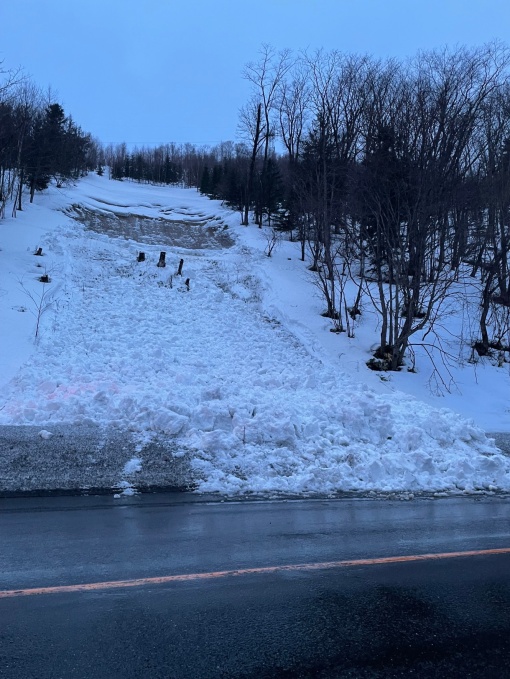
pixel 231 361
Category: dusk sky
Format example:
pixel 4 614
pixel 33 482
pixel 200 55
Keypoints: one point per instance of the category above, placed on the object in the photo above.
pixel 150 71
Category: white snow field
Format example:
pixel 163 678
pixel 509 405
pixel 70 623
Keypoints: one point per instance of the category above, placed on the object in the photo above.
pixel 240 370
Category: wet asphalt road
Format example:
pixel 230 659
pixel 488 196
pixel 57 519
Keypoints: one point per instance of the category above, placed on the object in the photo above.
pixel 433 618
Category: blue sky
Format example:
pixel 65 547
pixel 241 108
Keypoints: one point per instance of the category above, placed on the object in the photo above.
pixel 151 71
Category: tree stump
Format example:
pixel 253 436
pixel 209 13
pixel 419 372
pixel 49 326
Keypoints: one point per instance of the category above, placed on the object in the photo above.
pixel 141 257
pixel 179 270
pixel 186 283
pixel 162 262
pixel 38 252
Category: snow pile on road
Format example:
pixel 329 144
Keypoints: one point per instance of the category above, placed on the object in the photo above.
pixel 129 345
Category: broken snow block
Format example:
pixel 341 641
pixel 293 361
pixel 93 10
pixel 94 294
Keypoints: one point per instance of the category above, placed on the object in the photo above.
pixel 162 256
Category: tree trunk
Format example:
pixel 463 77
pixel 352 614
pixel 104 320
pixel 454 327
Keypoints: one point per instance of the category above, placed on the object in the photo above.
pixel 251 173
pixel 20 190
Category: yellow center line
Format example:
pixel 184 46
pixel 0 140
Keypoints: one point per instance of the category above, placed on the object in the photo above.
pixel 302 567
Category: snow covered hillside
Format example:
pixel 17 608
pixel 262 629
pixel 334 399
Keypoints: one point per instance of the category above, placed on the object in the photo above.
pixel 231 360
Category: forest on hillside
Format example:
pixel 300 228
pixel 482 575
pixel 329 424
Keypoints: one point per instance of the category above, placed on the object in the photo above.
pixel 39 143
pixel 393 175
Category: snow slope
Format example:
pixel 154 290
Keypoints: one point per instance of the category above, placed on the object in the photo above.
pixel 240 370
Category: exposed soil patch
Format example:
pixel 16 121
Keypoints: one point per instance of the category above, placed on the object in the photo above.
pixel 191 234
